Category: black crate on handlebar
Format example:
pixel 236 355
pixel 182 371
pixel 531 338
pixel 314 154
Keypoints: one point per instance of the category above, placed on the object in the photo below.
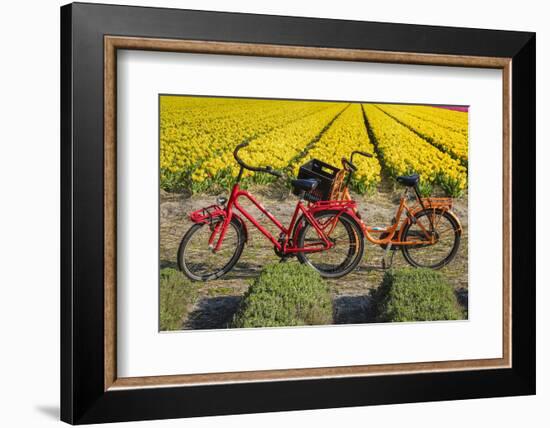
pixel 323 173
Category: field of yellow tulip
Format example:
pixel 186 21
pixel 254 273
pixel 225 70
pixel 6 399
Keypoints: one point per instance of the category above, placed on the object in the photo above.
pixel 194 130
pixel 434 130
pixel 348 133
pixel 403 152
pixel 454 120
pixel 277 148
pixel 198 135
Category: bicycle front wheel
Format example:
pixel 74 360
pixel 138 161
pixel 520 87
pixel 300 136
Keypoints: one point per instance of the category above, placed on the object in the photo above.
pixel 199 262
pixel 346 235
pixel 446 231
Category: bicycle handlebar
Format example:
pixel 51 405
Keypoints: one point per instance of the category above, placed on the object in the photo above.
pixel 357 152
pixel 347 164
pixel 266 169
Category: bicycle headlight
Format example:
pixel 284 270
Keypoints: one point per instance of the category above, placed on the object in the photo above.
pixel 221 200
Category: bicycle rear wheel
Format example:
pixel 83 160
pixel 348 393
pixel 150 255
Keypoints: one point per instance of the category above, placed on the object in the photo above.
pixel 197 260
pixel 447 233
pixel 347 237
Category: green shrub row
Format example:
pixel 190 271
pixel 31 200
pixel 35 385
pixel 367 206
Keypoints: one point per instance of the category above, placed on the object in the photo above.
pixel 292 294
pixel 285 294
pixel 410 294
pixel 177 294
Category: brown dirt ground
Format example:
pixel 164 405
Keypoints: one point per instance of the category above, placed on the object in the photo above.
pixel 219 299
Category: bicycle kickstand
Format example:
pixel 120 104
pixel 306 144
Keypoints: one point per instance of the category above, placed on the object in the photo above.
pixel 386 263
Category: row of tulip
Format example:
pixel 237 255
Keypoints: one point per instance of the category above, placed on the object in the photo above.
pixel 348 133
pixel 403 152
pixel 440 135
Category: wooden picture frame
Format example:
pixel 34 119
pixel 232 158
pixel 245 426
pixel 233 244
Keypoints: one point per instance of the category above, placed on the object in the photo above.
pixel 91 390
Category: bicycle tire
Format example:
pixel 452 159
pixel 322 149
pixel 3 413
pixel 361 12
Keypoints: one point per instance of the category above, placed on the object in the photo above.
pixel 408 251
pixel 185 268
pixel 355 254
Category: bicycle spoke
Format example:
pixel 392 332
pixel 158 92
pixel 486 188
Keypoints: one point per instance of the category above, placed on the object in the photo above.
pixel 446 230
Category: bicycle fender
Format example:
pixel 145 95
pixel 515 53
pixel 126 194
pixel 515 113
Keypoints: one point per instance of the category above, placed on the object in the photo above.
pixel 297 227
pixel 355 216
pixel 243 225
pixel 457 222
pixel 211 213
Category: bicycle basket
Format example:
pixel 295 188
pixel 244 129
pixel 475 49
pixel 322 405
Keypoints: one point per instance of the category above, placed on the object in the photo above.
pixel 323 173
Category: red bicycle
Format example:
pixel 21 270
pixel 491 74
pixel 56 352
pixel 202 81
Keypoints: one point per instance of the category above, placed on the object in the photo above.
pixel 326 235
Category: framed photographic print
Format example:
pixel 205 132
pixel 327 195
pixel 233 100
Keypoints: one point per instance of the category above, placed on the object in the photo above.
pixel 265 213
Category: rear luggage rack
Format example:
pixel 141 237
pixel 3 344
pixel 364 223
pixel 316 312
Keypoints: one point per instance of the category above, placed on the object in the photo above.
pixel 445 203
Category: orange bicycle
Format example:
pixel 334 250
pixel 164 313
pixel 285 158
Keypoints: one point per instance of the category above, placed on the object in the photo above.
pixel 427 232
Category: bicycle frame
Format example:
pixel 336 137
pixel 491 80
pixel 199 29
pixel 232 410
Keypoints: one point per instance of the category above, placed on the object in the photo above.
pixel 393 228
pixel 393 232
pixel 284 246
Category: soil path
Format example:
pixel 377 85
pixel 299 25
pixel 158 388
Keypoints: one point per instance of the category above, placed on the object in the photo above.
pixel 219 299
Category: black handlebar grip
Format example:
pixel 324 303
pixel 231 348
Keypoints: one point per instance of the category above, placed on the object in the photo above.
pixel 267 169
pixel 368 155
pixel 236 155
pixel 240 146
pixel 272 171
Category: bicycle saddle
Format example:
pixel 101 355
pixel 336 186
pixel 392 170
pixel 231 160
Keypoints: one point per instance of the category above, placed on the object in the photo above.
pixel 305 184
pixel 408 180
